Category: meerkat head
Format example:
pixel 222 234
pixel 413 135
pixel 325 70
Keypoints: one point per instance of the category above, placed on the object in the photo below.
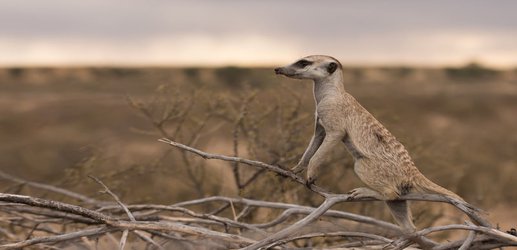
pixel 311 67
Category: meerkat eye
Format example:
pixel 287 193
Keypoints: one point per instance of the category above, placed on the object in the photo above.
pixel 303 63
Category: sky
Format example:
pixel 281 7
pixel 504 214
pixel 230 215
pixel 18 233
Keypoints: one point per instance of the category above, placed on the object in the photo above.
pixel 257 33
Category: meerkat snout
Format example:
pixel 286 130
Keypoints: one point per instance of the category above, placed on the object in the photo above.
pixel 310 67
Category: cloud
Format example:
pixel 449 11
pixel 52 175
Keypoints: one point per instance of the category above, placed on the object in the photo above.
pixel 256 32
pixel 193 49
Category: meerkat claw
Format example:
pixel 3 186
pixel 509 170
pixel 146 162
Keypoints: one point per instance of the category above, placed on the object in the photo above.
pixel 362 192
pixel 352 194
pixel 309 182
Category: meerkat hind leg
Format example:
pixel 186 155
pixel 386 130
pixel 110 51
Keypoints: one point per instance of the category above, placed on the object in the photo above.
pixel 402 215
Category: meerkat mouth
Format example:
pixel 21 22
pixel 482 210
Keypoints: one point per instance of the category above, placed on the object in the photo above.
pixel 279 71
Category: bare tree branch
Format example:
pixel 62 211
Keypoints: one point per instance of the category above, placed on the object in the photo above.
pixel 148 239
pixel 326 205
pixel 222 220
pixel 123 240
pixel 107 190
pixel 122 225
pixel 333 234
pixel 468 241
pixel 54 189
pixel 223 228
pixel 59 238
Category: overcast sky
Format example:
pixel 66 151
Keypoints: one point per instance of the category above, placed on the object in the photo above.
pixel 265 32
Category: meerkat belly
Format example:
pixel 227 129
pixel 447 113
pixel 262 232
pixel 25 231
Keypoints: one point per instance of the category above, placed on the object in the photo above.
pixel 379 177
pixel 370 174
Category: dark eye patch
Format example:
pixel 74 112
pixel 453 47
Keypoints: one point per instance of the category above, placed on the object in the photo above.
pixel 303 63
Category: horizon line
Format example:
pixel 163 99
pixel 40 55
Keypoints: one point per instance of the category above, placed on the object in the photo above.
pixel 250 65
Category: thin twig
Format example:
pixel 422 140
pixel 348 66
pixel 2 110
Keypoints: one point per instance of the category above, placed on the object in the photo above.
pixel 123 239
pixel 107 190
pixel 59 238
pixel 333 234
pixel 148 239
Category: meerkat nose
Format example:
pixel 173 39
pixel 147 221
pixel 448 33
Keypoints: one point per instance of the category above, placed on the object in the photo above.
pixel 278 71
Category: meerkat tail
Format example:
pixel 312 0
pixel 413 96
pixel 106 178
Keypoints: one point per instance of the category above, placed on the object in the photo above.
pixel 424 185
pixel 428 187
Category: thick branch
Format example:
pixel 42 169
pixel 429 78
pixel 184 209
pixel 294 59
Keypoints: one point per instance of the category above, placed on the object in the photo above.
pixel 493 233
pixel 327 204
pixel 56 205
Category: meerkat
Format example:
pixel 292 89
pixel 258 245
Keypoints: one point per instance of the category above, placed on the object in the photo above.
pixel 380 160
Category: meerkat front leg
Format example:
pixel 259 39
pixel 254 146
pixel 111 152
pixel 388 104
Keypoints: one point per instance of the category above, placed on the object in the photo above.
pixel 317 139
pixel 364 192
pixel 329 142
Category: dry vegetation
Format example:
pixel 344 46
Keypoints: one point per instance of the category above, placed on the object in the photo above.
pixel 61 125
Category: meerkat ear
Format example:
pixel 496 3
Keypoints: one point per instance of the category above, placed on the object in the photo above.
pixel 331 67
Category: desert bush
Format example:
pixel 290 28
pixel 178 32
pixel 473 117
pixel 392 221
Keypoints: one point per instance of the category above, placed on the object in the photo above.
pixel 471 72
pixel 16 72
pixel 232 76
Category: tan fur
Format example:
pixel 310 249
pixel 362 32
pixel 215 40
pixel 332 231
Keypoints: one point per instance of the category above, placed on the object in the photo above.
pixel 381 161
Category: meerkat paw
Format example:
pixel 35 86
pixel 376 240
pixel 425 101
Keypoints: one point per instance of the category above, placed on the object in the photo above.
pixel 362 193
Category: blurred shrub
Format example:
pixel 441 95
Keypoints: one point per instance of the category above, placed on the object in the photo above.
pixel 232 76
pixel 471 71
pixel 192 73
pixel 356 74
pixel 16 72
pixel 116 71
pixel 193 76
pixel 402 71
